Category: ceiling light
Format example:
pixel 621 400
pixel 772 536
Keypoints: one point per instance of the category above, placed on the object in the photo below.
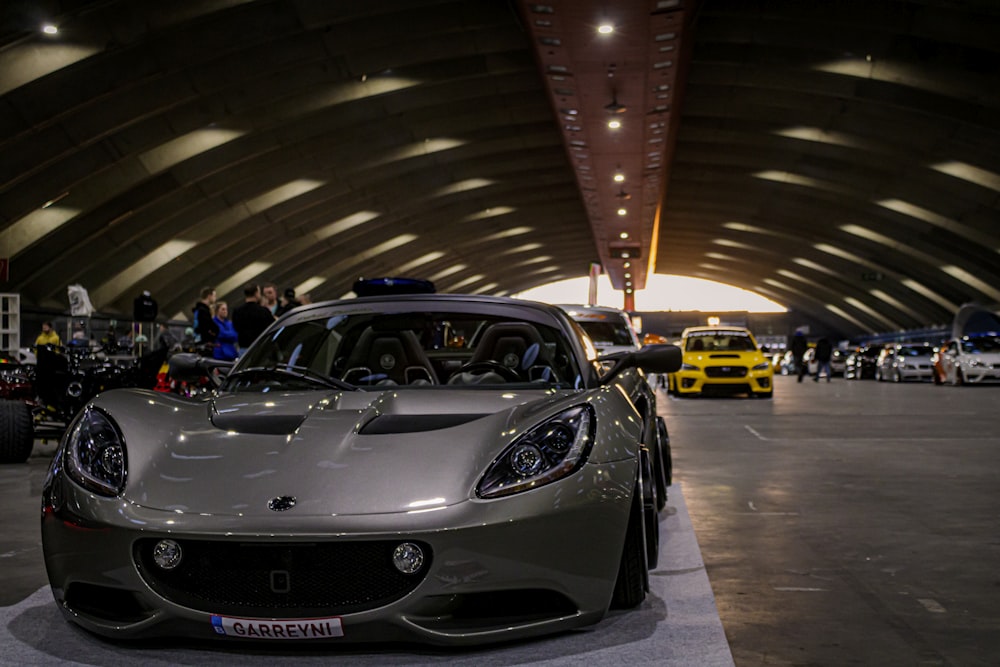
pixel 50 29
pixel 627 264
pixel 622 211
pixel 619 177
pixel 614 107
pixel 628 290
pixel 623 235
pixel 605 28
pixel 614 124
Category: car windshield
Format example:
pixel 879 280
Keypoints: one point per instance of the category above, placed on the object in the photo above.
pixel 364 347
pixel 721 341
pixel 915 351
pixel 988 344
pixel 606 334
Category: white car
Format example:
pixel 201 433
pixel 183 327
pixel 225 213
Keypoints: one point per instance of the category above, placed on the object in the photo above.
pixel 969 360
pixel 906 361
pixel 610 329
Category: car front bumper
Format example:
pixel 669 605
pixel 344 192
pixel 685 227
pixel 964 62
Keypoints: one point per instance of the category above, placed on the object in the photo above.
pixel 533 563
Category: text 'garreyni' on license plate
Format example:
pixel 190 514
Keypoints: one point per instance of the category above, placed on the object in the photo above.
pixel 263 628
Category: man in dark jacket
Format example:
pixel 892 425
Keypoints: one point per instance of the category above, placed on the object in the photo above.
pixel 799 346
pixel 205 331
pixel 824 352
pixel 250 319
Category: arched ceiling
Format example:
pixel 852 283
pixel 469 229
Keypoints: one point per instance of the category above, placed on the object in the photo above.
pixel 840 158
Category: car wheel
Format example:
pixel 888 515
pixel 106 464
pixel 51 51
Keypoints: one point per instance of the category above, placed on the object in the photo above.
pixel 633 573
pixel 650 511
pixel 896 377
pixel 663 437
pixel 959 377
pixel 16 432
pixel 652 440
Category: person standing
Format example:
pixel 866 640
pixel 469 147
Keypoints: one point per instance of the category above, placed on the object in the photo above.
pixel 269 297
pixel 227 340
pixel 48 336
pixel 798 347
pixel 250 318
pixel 205 331
pixel 287 302
pixel 824 352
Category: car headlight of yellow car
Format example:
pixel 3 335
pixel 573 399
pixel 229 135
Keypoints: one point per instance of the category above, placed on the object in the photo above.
pixel 689 367
pixel 762 366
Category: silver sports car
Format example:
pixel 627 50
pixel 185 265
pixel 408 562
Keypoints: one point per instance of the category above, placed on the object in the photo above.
pixel 440 468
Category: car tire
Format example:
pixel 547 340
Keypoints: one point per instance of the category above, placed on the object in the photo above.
pixel 632 582
pixel 650 510
pixel 657 457
pixel 16 432
pixel 896 377
pixel 663 437
pixel 959 377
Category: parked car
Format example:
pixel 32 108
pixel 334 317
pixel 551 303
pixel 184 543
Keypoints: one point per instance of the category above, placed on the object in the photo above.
pixel 722 361
pixel 969 360
pixel 612 333
pixel 442 468
pixel 905 361
pixel 862 362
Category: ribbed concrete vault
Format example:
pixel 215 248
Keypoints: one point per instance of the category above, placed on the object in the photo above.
pixel 841 158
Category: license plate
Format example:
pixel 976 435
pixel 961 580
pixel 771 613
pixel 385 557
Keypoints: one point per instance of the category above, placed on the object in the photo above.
pixel 263 628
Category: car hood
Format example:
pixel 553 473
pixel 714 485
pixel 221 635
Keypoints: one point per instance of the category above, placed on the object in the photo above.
pixel 342 453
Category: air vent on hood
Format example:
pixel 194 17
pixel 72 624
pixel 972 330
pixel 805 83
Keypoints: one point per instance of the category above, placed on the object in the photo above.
pixel 259 424
pixel 387 424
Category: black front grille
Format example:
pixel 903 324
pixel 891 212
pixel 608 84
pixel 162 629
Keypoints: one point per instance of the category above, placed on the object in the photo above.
pixel 726 371
pixel 290 579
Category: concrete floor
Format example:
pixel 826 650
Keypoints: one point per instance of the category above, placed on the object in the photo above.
pixel 850 522
pixel 841 523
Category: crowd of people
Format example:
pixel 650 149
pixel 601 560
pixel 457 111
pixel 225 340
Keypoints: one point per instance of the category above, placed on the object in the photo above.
pixel 229 331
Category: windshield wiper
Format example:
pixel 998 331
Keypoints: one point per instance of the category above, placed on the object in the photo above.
pixel 299 373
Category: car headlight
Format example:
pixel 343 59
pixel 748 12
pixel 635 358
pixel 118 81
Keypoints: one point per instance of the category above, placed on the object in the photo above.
pixel 689 367
pixel 95 454
pixel 553 449
pixel 761 366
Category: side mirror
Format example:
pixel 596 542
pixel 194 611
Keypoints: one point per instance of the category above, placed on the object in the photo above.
pixel 190 367
pixel 659 358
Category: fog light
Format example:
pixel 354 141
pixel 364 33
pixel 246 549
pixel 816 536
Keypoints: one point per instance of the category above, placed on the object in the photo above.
pixel 408 558
pixel 167 554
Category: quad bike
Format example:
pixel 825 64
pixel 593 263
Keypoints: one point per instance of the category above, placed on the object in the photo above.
pixel 61 383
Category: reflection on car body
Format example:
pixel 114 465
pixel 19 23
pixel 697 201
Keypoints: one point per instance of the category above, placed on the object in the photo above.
pixel 379 469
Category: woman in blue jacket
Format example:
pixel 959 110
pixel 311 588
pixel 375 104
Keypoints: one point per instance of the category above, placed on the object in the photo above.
pixel 226 343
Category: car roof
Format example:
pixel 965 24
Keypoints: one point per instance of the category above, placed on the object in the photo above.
pixel 575 310
pixel 705 330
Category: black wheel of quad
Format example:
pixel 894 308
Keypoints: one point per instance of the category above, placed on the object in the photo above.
pixel 633 573
pixel 16 432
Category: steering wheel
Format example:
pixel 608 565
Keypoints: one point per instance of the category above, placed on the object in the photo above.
pixel 487 366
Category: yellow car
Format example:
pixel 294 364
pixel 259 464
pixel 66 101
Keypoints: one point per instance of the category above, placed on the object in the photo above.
pixel 723 361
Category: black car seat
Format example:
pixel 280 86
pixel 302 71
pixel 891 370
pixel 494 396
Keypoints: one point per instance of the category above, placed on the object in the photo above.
pixel 389 357
pixel 516 345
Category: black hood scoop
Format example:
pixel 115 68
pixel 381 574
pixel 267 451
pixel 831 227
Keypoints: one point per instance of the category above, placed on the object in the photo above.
pixel 390 424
